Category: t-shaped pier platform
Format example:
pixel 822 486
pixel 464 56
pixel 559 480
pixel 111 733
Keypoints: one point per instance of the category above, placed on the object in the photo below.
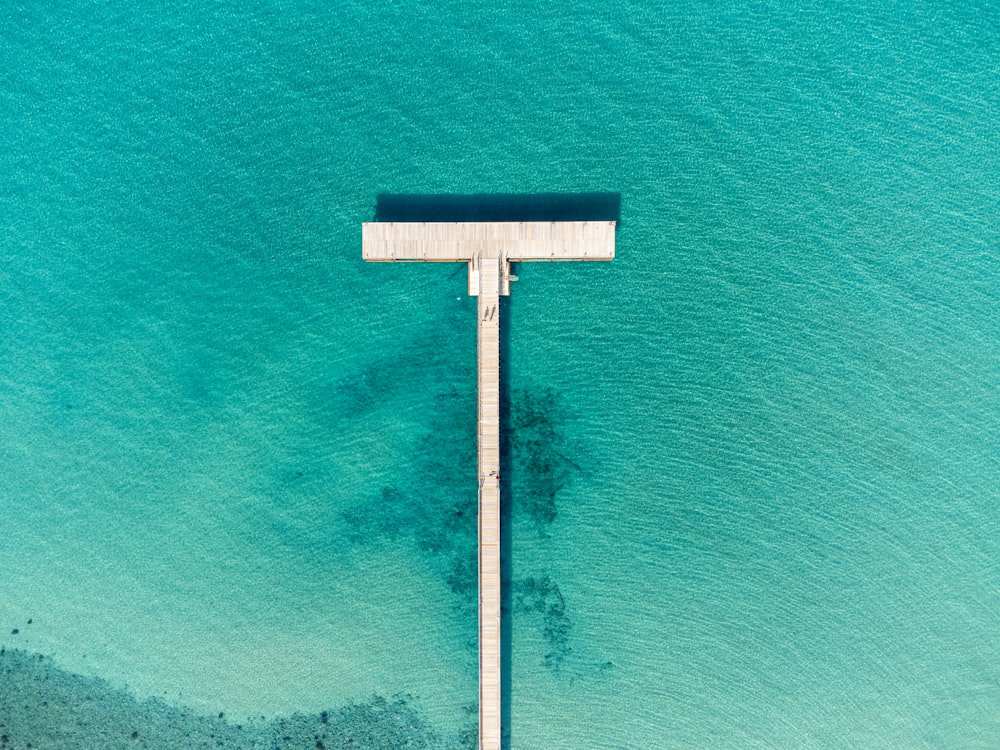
pixel 489 248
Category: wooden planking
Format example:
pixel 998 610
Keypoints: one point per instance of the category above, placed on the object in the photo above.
pixel 488 271
pixel 519 241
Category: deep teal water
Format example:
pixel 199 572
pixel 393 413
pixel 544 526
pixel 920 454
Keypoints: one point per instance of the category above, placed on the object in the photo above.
pixel 756 459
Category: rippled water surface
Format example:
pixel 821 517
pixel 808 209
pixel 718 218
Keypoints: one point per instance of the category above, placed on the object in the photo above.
pixel 754 461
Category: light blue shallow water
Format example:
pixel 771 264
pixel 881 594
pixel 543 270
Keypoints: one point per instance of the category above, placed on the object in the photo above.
pixel 756 457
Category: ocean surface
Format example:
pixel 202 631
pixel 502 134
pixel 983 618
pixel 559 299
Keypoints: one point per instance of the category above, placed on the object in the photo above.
pixel 754 479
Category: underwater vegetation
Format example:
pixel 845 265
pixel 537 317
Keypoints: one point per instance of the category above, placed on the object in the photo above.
pixel 434 509
pixel 361 391
pixel 433 505
pixel 423 362
pixel 539 459
pixel 46 708
pixel 541 598
pixel 540 468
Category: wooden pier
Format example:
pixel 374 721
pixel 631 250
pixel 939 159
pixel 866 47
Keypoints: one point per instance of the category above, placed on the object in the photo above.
pixel 489 248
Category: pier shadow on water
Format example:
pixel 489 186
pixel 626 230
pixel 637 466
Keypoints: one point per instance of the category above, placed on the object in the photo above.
pixel 499 207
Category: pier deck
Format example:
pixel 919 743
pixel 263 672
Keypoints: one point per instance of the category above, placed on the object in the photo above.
pixel 488 248
pixel 488 356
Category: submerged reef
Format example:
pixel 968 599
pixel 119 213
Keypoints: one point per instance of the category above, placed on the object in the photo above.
pixel 46 708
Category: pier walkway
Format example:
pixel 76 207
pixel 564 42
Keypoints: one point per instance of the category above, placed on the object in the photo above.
pixel 489 248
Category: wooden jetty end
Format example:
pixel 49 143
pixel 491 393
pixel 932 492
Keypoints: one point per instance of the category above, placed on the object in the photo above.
pixel 488 248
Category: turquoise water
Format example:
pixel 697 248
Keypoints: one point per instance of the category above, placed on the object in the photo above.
pixel 756 458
